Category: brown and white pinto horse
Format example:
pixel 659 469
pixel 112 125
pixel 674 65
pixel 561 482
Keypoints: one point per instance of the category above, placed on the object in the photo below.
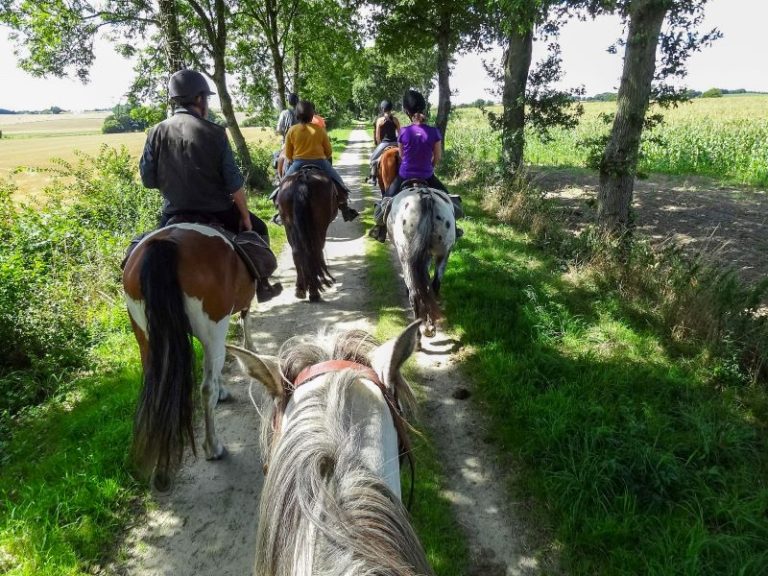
pixel 389 164
pixel 181 281
pixel 307 203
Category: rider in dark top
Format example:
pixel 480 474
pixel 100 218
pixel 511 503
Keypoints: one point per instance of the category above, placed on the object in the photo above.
pixel 420 151
pixel 385 133
pixel 190 161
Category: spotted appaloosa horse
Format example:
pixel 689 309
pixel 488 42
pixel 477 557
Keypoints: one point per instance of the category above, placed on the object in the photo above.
pixel 389 164
pixel 181 281
pixel 422 227
pixel 307 204
pixel 330 442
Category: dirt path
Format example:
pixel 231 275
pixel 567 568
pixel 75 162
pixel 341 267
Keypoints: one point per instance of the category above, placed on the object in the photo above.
pixel 207 524
pixel 729 223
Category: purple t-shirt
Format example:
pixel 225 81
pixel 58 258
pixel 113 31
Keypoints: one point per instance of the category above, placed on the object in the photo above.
pixel 418 142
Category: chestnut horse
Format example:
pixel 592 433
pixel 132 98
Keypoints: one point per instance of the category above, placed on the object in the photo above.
pixel 331 502
pixel 389 164
pixel 307 204
pixel 181 281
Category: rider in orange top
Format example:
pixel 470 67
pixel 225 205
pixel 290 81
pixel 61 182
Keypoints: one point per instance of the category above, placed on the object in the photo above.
pixel 308 143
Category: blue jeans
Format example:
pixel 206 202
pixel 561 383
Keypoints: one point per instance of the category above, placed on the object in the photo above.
pixel 322 163
pixel 380 150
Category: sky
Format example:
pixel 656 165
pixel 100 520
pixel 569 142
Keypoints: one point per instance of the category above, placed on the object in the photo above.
pixel 735 61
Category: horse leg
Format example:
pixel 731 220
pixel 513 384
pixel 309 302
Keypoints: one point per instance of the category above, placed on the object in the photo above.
pixel 440 266
pixel 301 281
pixel 247 341
pixel 212 390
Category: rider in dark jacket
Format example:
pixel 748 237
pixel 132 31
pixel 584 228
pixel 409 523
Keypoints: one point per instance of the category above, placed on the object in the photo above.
pixel 190 161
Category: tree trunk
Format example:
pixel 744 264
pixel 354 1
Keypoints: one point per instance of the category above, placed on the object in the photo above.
pixel 618 164
pixel 517 63
pixel 169 22
pixel 234 129
pixel 443 80
pixel 296 68
pixel 279 68
pixel 220 79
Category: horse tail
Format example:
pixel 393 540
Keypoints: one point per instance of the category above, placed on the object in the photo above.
pixel 308 246
pixel 163 420
pixel 419 255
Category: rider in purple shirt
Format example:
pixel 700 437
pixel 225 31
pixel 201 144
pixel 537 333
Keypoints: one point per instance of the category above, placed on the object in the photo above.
pixel 420 150
pixel 420 147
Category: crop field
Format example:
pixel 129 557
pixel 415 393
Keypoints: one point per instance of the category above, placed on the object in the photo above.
pixel 724 138
pixel 32 145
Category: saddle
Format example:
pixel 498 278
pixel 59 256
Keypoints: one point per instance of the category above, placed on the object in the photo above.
pixel 253 250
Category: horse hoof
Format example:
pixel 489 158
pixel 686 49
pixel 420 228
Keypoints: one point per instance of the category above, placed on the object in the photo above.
pixel 217 454
pixel 315 298
pixel 300 294
pixel 224 394
pixel 430 332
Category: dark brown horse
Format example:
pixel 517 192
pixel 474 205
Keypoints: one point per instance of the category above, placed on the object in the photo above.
pixel 389 164
pixel 181 281
pixel 307 203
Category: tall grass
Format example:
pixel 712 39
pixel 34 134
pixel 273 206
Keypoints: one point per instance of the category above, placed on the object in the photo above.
pixel 649 457
pixel 629 382
pixel 724 138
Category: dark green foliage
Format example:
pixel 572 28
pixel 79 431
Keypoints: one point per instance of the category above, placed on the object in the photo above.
pixel 713 93
pixel 261 159
pixel 648 449
pixel 59 273
pixel 132 118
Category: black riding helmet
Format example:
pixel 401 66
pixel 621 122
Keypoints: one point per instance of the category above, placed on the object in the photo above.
pixel 186 85
pixel 414 103
pixel 293 99
pixel 385 106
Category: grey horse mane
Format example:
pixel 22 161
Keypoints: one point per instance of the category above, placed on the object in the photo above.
pixel 323 512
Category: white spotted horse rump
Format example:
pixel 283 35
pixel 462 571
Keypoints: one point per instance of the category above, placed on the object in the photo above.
pixel 422 226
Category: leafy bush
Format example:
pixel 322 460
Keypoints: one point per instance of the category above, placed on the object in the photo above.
pixel 712 93
pixel 261 159
pixel 59 272
pixel 132 118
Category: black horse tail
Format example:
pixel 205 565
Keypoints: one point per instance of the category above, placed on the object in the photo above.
pixel 420 255
pixel 306 243
pixel 163 422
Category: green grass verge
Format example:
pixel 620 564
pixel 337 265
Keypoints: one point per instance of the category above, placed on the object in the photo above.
pixel 65 490
pixel 431 514
pixel 66 493
pixel 642 465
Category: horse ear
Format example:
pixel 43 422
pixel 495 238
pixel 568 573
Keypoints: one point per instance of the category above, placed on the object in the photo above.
pixel 389 358
pixel 265 369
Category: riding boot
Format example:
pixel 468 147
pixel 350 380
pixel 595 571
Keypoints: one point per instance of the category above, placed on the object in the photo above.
pixel 378 232
pixel 266 291
pixel 347 212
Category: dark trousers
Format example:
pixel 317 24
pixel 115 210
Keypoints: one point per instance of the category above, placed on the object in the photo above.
pixel 394 187
pixel 229 219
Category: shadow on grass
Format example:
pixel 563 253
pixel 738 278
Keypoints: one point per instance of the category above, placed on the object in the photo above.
pixel 65 492
pixel 641 465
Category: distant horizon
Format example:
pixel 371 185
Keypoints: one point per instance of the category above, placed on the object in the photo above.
pixel 11 112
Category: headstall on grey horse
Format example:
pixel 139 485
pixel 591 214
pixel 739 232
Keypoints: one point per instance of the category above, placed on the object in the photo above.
pixel 329 366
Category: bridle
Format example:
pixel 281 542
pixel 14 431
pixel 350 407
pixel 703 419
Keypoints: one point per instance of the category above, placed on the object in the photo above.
pixel 329 366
